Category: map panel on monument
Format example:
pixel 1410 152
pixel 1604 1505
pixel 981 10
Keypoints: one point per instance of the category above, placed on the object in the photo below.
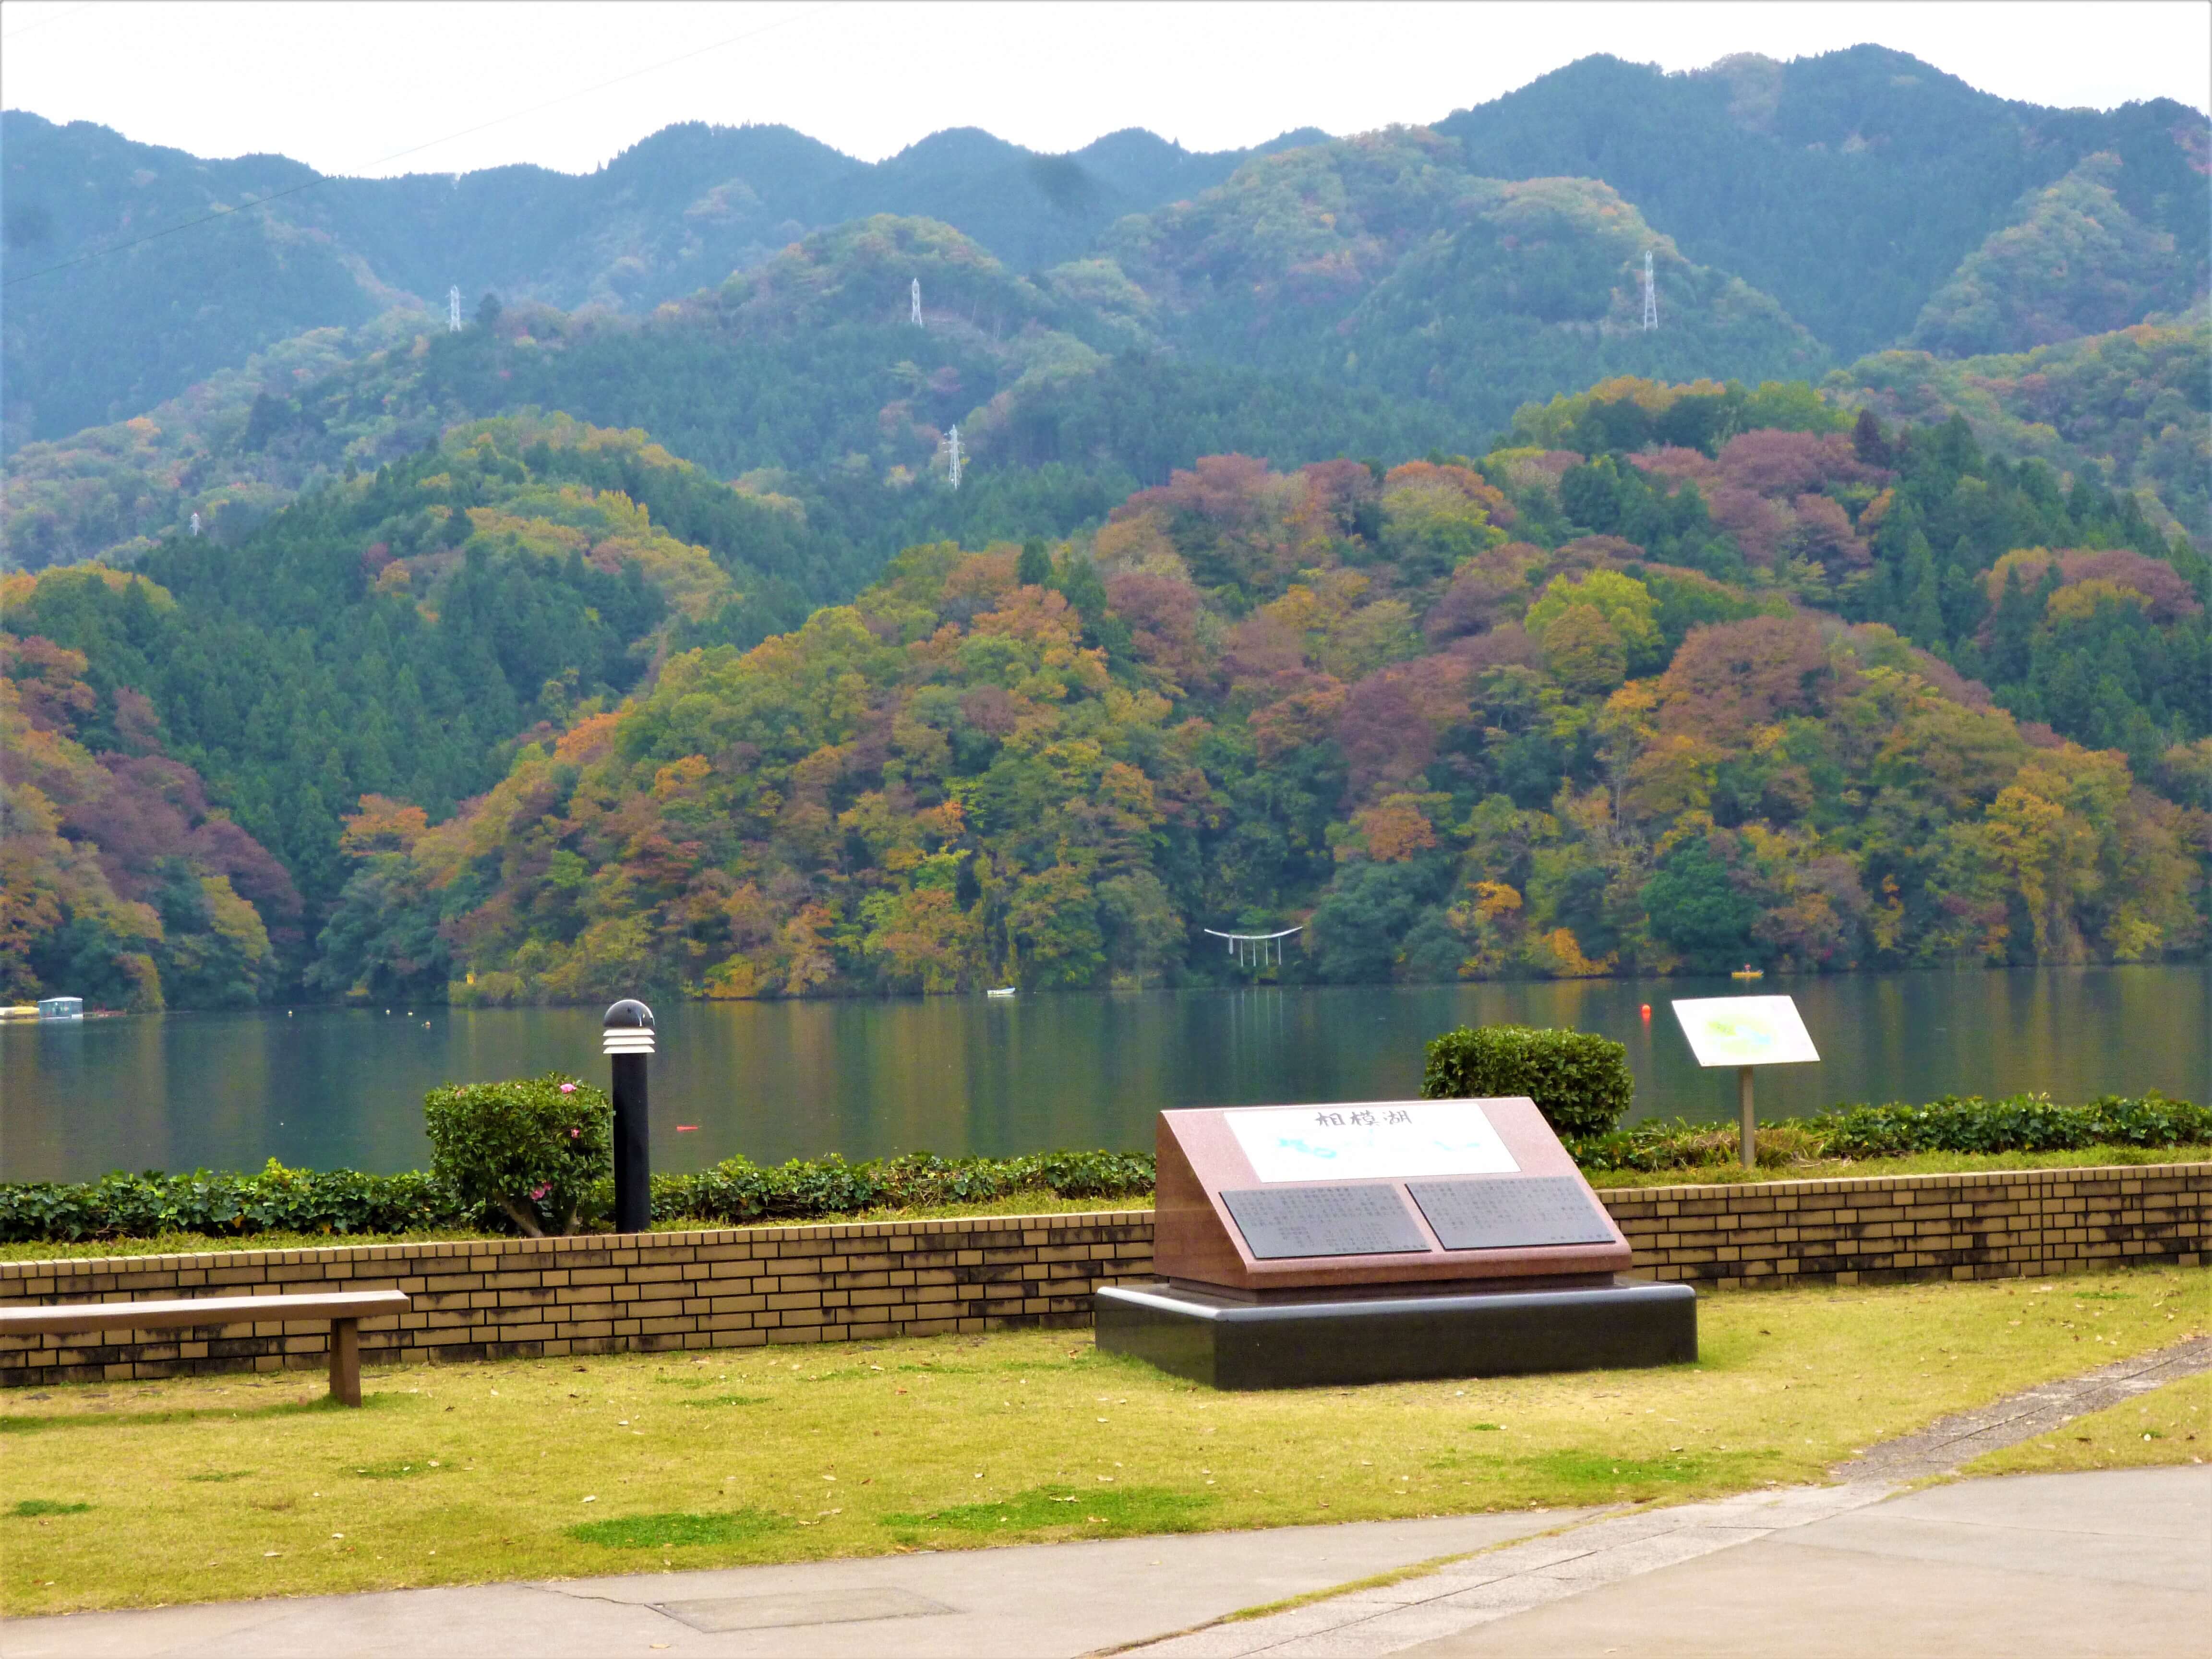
pixel 1373 1142
pixel 1500 1215
pixel 1324 1221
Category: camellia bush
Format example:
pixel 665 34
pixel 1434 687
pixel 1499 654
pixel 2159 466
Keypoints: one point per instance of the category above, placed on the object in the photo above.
pixel 532 1150
pixel 1580 1081
pixel 270 1199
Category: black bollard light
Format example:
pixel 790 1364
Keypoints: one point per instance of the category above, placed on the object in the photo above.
pixel 627 1037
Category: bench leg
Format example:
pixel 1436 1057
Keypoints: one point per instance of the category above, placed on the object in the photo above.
pixel 345 1361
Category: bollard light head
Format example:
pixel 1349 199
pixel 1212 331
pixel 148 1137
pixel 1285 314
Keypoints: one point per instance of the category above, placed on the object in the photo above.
pixel 627 1028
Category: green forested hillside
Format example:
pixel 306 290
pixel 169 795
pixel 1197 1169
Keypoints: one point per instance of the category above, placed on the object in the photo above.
pixel 2067 601
pixel 1851 186
pixel 2132 409
pixel 117 874
pixel 1452 728
pixel 809 368
pixel 2074 262
pixel 1675 676
pixel 109 338
pixel 1378 262
pixel 388 633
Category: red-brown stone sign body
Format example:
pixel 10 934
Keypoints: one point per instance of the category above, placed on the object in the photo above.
pixel 1392 1192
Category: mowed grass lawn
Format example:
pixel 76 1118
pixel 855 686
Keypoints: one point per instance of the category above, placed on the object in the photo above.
pixel 199 1489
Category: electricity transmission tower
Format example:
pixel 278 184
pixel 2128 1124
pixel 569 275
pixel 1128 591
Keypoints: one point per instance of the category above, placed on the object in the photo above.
pixel 1651 296
pixel 953 457
pixel 917 302
pixel 453 310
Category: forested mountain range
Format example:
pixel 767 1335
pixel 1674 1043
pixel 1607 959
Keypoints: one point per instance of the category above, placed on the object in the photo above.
pixel 809 365
pixel 1335 545
pixel 1671 677
pixel 1077 385
pixel 1853 188
pixel 676 212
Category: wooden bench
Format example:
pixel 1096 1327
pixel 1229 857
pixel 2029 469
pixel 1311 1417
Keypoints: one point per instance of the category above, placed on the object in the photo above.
pixel 345 1310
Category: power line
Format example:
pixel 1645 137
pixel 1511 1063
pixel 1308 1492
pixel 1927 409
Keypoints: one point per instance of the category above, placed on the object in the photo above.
pixel 56 17
pixel 412 149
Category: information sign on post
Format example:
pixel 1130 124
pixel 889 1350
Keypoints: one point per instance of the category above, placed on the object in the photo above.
pixel 1745 1032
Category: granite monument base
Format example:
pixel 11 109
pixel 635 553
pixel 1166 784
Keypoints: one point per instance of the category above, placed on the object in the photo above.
pixel 1387 1335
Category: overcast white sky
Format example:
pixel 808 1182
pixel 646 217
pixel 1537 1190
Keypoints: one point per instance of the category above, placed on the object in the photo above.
pixel 392 87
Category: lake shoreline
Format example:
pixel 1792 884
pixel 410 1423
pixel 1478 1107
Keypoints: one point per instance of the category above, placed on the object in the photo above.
pixel 331 1087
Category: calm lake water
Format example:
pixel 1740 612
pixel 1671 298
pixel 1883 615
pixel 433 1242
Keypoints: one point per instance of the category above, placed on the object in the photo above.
pixel 331 1087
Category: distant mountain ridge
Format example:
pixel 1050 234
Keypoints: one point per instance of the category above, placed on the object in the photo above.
pixel 677 211
pixel 1354 297
pixel 1849 187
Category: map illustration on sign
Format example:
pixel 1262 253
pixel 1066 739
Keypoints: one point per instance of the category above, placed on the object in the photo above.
pixel 1370 1142
pixel 1746 1032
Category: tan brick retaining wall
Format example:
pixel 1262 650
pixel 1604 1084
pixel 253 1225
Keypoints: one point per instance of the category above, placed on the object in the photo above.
pixel 745 1286
pixel 1879 1229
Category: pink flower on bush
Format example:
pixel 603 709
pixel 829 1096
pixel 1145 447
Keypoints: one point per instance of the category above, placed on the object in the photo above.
pixel 573 1134
pixel 567 1088
pixel 537 1192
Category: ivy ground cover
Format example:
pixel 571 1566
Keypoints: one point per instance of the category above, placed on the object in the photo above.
pixel 116 1495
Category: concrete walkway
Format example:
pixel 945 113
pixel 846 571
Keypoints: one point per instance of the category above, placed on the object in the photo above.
pixel 2067 1566
pixel 1025 1602
pixel 2118 1563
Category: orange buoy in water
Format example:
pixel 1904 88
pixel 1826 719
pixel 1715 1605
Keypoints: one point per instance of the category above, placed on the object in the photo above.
pixel 1647 1011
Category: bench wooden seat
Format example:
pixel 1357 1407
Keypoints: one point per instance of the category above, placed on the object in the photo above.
pixel 345 1310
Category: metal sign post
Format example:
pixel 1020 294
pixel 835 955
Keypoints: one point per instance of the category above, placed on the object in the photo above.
pixel 1745 1032
pixel 626 1038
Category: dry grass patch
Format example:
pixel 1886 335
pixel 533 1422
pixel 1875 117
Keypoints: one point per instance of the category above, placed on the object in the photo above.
pixel 207 1488
pixel 2171 1424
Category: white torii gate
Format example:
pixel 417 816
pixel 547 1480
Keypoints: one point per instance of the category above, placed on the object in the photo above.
pixel 1253 950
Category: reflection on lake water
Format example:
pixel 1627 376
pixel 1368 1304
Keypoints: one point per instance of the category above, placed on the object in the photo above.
pixel 325 1087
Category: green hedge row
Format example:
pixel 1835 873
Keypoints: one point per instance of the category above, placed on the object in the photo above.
pixel 1956 1123
pixel 736 1191
pixel 345 1201
pixel 272 1200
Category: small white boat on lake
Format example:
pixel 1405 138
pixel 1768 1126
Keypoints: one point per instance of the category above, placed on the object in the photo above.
pixel 1000 991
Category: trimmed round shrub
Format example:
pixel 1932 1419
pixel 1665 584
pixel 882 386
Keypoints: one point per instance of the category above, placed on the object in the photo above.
pixel 1580 1081
pixel 531 1150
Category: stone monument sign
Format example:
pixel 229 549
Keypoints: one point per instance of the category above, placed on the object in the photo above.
pixel 1333 1243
